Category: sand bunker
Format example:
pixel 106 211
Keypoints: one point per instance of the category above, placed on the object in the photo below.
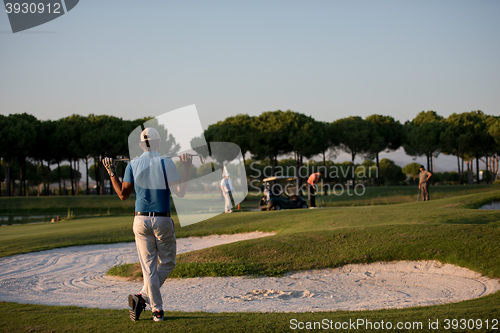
pixel 76 276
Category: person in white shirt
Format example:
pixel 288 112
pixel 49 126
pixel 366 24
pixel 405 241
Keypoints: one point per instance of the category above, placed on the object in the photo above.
pixel 227 188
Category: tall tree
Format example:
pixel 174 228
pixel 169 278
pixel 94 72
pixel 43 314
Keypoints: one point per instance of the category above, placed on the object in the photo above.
pixel 387 135
pixel 481 142
pixel 354 136
pixel 3 148
pixel 75 125
pixel 422 136
pixel 412 169
pixel 18 136
pixel 237 129
pixel 65 174
pixel 427 117
pixel 494 132
pixel 390 172
pixel 104 136
pixel 450 142
pixel 469 131
pixel 59 143
pixel 271 135
pixel 44 151
pixel 2 174
pixel 307 137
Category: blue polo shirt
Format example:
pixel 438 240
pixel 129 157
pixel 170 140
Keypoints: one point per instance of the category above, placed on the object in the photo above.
pixel 151 175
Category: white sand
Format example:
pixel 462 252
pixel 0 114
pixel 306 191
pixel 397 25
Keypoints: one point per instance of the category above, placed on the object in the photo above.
pixel 75 276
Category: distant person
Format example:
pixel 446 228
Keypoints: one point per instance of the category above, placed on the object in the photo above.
pixel 424 183
pixel 311 187
pixel 267 194
pixel 227 188
pixel 153 226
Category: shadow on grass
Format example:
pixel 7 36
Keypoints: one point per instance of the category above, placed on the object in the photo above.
pixel 169 317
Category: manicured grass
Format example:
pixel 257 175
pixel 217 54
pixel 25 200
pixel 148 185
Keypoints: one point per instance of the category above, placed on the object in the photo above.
pixel 442 230
pixel 27 238
pixel 132 272
pixel 101 204
pixel 374 195
pixel 470 246
pixel 38 318
pixel 57 203
pixel 24 210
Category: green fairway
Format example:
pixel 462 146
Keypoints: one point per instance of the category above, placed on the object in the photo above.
pixel 104 204
pixel 39 204
pixel 15 210
pixel 374 195
pixel 449 230
pixel 45 236
pixel 39 318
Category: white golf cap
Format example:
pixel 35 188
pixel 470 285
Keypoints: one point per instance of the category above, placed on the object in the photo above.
pixel 150 134
pixel 225 173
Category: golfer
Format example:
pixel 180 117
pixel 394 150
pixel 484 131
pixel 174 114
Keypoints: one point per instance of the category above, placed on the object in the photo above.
pixel 311 187
pixel 226 185
pixel 152 177
pixel 424 183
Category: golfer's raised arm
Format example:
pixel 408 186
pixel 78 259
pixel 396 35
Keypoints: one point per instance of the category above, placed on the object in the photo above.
pixel 123 189
pixel 180 187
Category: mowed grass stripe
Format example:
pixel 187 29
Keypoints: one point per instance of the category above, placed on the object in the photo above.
pixel 57 203
pixel 373 195
pixel 383 195
pixel 40 318
pixel 25 238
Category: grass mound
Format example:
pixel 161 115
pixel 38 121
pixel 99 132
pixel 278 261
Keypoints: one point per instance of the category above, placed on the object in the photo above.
pixel 131 272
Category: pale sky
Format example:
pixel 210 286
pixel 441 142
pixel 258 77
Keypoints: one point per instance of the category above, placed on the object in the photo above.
pixel 328 59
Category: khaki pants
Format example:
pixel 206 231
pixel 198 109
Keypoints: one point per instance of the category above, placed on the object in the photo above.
pixel 227 201
pixel 156 246
pixel 424 188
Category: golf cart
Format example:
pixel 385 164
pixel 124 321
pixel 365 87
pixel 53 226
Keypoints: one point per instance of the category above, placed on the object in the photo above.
pixel 281 193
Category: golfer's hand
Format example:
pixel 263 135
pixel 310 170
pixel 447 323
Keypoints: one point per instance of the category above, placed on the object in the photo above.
pixel 108 164
pixel 419 186
pixel 186 159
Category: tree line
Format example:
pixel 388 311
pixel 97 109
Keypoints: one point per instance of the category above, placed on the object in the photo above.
pixel 29 146
pixel 470 136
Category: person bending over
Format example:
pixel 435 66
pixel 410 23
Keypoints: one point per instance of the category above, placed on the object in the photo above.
pixel 311 187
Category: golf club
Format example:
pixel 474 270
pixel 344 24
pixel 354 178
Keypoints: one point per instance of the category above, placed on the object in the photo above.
pixel 418 194
pixel 202 159
pixel 318 196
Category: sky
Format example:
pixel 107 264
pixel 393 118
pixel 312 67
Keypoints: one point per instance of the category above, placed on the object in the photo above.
pixel 328 59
